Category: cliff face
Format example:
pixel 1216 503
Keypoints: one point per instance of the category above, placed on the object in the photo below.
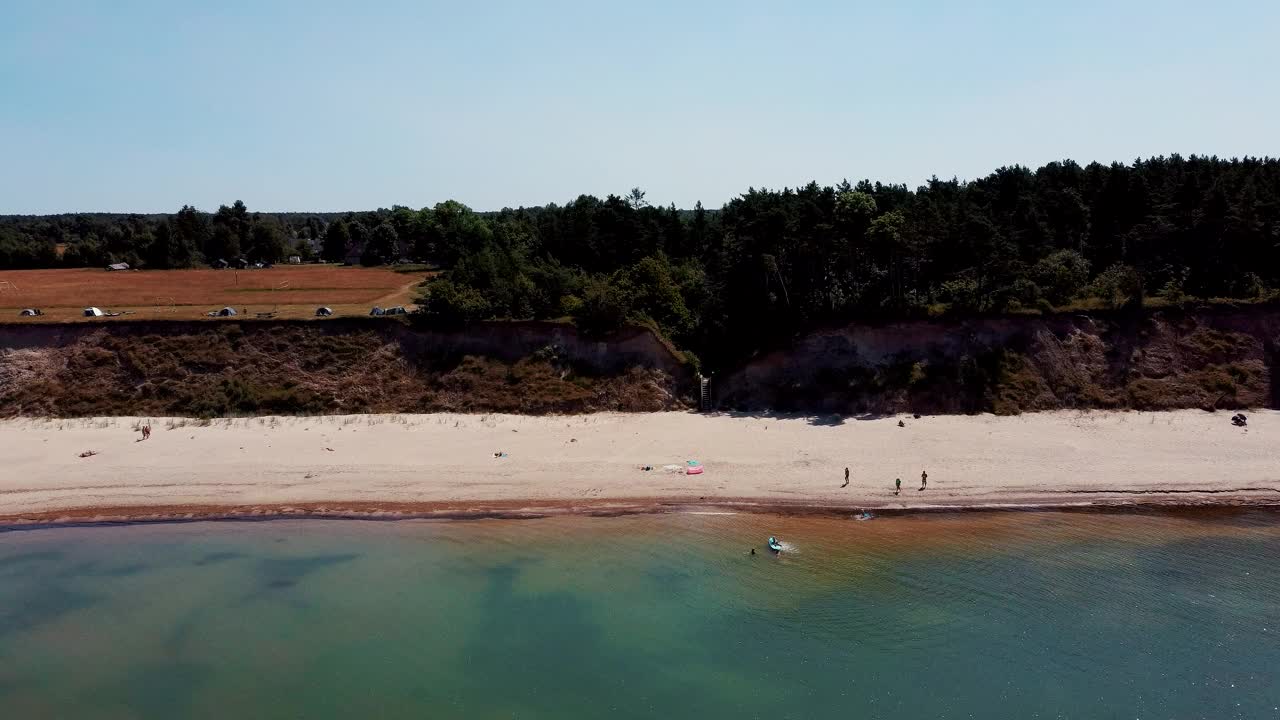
pixel 1210 358
pixel 1165 359
pixel 229 367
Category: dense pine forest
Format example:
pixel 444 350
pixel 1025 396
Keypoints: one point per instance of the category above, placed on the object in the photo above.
pixel 770 263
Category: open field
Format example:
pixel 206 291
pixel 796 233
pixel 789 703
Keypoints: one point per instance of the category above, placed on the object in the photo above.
pixel 287 291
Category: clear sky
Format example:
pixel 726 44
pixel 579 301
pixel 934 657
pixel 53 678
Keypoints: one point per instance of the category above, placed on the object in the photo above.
pixel 122 105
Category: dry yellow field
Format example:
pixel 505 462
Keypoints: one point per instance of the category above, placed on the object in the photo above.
pixel 282 291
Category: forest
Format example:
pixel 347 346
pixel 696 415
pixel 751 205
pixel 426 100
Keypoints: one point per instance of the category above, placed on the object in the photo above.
pixel 725 283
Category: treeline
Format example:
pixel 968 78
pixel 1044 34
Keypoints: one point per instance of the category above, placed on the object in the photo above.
pixel 187 238
pixel 772 264
pixel 769 264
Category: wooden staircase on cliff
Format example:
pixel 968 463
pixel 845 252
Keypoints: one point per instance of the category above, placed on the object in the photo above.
pixel 704 400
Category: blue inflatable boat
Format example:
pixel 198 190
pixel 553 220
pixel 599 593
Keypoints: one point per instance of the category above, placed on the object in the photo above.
pixel 774 545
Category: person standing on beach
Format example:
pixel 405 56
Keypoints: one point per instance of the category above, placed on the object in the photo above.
pixel 924 479
pixel 897 486
pixel 846 478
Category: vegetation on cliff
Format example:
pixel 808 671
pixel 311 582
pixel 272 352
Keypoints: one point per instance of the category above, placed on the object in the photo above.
pixel 770 264
pixel 202 370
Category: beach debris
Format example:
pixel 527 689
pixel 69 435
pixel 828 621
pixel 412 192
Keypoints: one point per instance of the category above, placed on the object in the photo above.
pixel 573 440
pixel 693 467
pixel 901 424
pixel 500 454
pixel 1239 420
pixel 88 453
pixel 329 449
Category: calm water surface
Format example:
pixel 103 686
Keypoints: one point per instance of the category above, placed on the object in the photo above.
pixel 978 616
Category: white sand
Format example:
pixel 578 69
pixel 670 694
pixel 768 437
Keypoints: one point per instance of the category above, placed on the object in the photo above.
pixel 274 464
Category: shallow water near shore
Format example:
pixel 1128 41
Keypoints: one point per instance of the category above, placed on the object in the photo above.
pixel 1000 615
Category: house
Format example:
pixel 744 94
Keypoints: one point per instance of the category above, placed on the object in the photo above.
pixel 93 312
pixel 117 266
pixel 241 264
pixel 397 310
pixel 220 264
pixel 295 259
pixel 377 311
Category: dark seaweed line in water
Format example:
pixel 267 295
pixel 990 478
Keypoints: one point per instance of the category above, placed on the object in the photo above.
pixel 102 517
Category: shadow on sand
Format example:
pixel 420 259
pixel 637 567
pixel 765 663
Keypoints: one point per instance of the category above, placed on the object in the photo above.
pixel 816 420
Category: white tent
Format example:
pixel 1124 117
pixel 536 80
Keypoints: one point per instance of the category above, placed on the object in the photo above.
pixel 93 312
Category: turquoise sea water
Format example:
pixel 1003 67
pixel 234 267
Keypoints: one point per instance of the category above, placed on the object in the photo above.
pixel 1036 615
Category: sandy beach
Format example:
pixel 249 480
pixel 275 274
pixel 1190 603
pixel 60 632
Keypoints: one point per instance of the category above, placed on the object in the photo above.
pixel 446 464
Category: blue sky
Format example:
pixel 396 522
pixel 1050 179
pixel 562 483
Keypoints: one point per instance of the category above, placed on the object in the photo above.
pixel 145 106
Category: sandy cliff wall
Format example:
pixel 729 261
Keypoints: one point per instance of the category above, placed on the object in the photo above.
pixel 1207 358
pixel 340 365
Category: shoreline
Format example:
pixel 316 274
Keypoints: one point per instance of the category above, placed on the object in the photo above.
pixel 443 466
pixel 168 514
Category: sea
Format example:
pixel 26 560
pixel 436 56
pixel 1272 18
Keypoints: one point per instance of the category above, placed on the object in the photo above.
pixel 970 615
